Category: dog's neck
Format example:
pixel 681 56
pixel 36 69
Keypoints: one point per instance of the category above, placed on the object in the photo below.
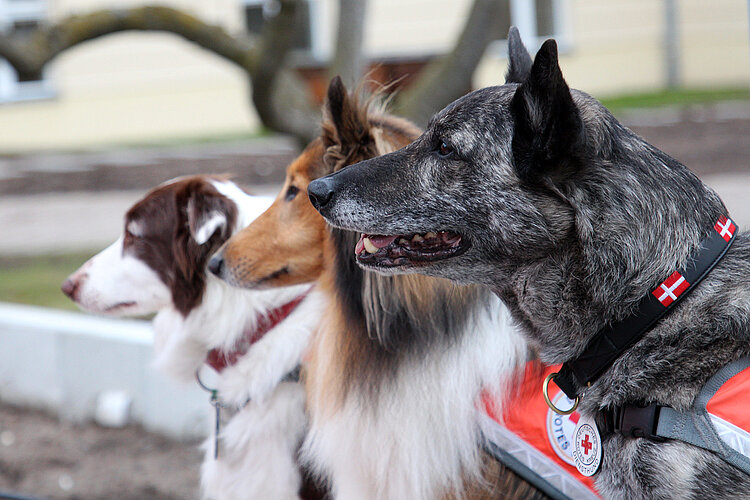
pixel 618 252
pixel 671 361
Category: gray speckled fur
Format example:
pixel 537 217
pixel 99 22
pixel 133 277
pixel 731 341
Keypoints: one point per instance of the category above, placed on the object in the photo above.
pixel 570 249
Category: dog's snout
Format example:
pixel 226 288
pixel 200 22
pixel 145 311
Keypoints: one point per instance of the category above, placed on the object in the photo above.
pixel 216 264
pixel 320 192
pixel 70 288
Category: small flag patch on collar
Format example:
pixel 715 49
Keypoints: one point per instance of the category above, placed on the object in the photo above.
pixel 671 288
pixel 725 227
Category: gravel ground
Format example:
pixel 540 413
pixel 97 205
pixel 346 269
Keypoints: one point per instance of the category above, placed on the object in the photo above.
pixel 42 457
pixel 705 138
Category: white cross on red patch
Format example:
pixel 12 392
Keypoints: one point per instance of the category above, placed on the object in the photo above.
pixel 671 288
pixel 725 227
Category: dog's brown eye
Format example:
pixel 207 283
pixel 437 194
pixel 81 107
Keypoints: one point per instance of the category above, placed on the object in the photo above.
pixel 444 149
pixel 291 193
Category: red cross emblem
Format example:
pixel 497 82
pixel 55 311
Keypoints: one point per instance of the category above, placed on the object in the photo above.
pixel 586 444
pixel 671 288
pixel 725 227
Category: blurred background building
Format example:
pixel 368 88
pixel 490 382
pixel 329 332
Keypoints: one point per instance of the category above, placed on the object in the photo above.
pixel 150 86
pixel 108 119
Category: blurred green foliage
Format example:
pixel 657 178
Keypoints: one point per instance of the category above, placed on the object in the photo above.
pixel 36 280
pixel 676 97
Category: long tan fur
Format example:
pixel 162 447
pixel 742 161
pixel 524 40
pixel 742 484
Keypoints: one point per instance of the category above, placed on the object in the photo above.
pixel 352 357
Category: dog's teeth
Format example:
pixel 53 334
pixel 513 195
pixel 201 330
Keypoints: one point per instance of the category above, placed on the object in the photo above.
pixel 417 238
pixel 369 246
pixel 430 235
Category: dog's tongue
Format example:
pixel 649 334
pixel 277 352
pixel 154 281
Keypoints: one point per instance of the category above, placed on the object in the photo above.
pixel 379 241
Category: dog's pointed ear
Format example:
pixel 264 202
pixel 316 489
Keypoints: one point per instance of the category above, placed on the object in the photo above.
pixel 346 130
pixel 548 128
pixel 336 107
pixel 519 60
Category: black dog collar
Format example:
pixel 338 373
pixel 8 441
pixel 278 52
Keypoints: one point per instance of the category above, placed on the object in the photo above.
pixel 610 342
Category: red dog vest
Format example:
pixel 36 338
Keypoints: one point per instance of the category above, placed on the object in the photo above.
pixel 719 420
pixel 536 443
pixel 530 436
pixel 729 410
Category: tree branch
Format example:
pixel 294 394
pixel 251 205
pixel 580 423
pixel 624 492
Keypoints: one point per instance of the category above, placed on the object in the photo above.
pixel 285 107
pixel 449 77
pixel 29 55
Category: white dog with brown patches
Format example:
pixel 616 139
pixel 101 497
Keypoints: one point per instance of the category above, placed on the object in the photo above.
pixel 254 339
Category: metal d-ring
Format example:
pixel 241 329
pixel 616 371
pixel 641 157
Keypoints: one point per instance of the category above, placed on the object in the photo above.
pixel 200 382
pixel 545 388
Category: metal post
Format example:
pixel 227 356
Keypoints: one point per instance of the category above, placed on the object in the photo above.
pixel 671 44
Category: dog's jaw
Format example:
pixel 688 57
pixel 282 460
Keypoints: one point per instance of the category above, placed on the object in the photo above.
pixel 408 251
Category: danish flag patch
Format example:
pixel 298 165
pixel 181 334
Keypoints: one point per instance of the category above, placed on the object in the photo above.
pixel 725 227
pixel 671 288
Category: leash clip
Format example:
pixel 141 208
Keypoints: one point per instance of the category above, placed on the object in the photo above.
pixel 545 393
pixel 217 404
pixel 217 421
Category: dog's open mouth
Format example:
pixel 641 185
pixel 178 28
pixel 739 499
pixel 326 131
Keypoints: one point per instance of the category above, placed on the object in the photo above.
pixel 415 249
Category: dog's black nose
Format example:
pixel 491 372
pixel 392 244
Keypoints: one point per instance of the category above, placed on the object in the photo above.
pixel 216 265
pixel 320 192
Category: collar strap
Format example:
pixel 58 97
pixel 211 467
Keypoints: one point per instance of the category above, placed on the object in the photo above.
pixel 219 359
pixel 610 342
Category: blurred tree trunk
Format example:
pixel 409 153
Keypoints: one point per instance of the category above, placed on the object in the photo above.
pixel 449 77
pixel 280 97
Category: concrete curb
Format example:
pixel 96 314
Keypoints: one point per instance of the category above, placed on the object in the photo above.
pixel 62 361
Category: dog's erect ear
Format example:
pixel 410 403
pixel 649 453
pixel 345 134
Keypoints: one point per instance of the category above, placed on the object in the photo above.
pixel 206 215
pixel 346 131
pixel 548 128
pixel 519 60
pixel 336 108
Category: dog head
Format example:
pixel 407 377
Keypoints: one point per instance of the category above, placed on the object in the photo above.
pixel 507 177
pixel 161 257
pixel 284 246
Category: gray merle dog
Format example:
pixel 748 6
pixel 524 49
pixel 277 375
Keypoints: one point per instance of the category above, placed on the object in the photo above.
pixel 538 192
